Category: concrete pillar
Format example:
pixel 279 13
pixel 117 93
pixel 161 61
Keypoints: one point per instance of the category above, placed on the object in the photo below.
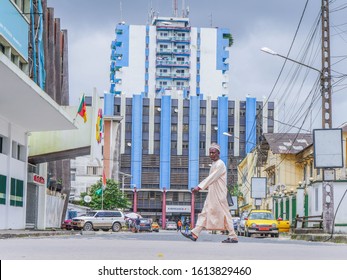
pixel 163 216
pixel 192 211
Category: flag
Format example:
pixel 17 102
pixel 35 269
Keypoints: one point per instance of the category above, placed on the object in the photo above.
pixel 82 109
pixel 103 187
pixel 98 191
pixel 99 126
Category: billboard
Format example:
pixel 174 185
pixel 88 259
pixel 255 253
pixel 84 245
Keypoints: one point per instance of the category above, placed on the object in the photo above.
pixel 14 27
pixel 258 187
pixel 328 151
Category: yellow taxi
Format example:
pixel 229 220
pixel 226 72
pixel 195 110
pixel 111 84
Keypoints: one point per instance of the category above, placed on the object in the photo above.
pixel 283 225
pixel 261 222
pixel 155 227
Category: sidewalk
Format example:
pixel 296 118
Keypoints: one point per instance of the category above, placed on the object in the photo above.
pixel 18 233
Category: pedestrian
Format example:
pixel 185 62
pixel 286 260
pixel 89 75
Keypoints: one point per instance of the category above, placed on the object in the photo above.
pixel 137 224
pixel 186 227
pixel 215 214
pixel 179 225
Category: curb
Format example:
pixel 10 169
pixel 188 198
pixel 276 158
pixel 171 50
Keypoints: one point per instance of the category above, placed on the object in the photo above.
pixel 320 238
pixel 35 234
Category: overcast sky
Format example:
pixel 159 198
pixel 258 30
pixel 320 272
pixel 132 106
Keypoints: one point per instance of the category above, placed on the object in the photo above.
pixel 253 24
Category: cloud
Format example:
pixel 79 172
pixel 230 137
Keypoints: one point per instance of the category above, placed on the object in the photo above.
pixel 89 59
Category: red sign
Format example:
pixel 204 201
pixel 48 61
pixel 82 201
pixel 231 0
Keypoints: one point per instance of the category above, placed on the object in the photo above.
pixel 38 179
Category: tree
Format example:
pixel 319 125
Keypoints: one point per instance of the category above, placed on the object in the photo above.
pixel 112 196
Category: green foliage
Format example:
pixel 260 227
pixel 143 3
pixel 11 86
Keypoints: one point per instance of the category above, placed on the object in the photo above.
pixel 111 199
pixel 230 38
pixel 235 190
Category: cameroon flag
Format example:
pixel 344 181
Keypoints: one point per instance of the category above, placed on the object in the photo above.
pixel 82 109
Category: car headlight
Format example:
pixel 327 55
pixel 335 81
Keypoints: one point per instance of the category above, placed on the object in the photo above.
pixel 253 225
pixel 274 225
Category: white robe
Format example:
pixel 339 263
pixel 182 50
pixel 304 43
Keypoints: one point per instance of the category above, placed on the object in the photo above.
pixel 215 213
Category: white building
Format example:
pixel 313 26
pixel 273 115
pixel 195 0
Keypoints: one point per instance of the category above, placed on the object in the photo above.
pixel 170 56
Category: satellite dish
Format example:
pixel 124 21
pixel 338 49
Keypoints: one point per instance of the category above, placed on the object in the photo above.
pixel 87 199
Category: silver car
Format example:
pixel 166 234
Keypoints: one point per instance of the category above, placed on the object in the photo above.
pixel 171 225
pixel 100 219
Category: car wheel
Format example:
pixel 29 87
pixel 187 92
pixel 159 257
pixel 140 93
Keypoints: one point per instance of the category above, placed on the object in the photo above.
pixel 88 227
pixel 116 227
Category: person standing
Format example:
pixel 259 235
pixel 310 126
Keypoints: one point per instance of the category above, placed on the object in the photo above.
pixel 137 224
pixel 215 214
pixel 179 225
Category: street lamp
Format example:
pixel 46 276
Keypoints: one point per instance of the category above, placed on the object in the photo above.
pixel 124 175
pixel 325 79
pixel 270 51
pixel 227 134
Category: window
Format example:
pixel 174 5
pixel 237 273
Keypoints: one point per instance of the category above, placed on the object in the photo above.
pixel 17 192
pixel 18 151
pixel 94 170
pixel 214 112
pixel 202 127
pixel 2 189
pixel 2 48
pixel 145 127
pixel 174 127
pixel 128 110
pixel 128 127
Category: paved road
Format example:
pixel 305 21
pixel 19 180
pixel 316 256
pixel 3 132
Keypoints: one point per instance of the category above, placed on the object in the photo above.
pixel 165 245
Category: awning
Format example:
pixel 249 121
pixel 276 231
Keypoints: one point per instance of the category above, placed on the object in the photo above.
pixel 25 104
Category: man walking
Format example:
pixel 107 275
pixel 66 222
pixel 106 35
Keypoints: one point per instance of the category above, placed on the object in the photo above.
pixel 216 214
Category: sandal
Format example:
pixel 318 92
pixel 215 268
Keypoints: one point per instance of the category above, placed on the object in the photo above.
pixel 229 240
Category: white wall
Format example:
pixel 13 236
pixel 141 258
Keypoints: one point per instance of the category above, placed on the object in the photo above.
pixel 13 217
pixel 133 77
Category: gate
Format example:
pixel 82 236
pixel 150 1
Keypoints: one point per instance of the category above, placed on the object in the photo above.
pixel 31 206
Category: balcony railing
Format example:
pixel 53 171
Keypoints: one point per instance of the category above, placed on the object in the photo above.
pixel 163 62
pixel 173 38
pixel 173 75
pixel 173 51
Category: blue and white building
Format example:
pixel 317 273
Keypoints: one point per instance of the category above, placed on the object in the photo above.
pixel 169 83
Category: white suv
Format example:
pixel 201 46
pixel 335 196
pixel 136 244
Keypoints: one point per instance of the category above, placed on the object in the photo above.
pixel 100 219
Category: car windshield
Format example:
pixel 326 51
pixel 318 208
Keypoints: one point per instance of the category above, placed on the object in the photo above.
pixel 261 216
pixel 144 221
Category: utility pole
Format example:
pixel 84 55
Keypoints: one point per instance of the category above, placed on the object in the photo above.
pixel 326 71
pixel 328 188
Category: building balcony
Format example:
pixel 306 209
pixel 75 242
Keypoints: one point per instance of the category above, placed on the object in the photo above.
pixel 170 87
pixel 173 39
pixel 163 62
pixel 171 27
pixel 185 76
pixel 173 51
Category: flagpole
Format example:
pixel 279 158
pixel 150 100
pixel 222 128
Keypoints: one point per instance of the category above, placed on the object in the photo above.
pixel 102 199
